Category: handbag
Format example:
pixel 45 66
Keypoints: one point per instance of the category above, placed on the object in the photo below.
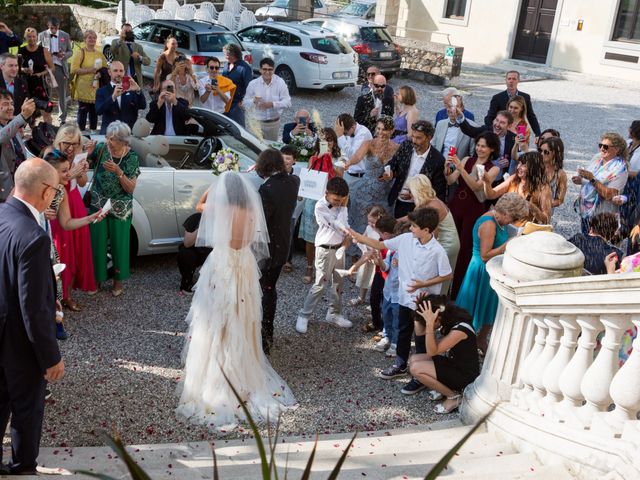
pixel 312 183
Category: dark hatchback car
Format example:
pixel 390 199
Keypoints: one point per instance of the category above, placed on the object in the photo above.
pixel 370 40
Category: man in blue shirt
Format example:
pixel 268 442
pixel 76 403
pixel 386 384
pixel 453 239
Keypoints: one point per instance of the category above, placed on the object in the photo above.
pixel 240 73
pixel 7 38
pixel 447 93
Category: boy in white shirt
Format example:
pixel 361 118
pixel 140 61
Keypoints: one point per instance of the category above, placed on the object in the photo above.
pixel 422 267
pixel 331 238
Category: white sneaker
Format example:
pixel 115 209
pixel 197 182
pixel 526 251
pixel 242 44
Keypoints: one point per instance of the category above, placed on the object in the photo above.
pixel 382 345
pixel 338 320
pixel 391 353
pixel 301 324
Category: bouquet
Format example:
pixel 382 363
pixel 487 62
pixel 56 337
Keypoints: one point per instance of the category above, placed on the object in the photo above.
pixel 305 145
pixel 225 160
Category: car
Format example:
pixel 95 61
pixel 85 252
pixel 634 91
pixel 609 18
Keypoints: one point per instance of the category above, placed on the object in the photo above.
pixel 305 56
pixel 370 40
pixel 198 40
pixel 280 8
pixel 365 9
pixel 167 191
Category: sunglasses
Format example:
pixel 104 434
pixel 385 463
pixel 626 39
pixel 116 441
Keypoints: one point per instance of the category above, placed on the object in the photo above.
pixel 378 86
pixel 371 74
pixel 213 67
pixel 418 127
pixel 603 146
pixel 57 189
pixel 544 152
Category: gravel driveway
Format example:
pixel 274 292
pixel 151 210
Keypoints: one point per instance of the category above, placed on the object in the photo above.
pixel 122 358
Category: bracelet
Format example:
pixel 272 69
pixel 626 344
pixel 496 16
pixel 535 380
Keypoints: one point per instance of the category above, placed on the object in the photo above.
pixel 593 181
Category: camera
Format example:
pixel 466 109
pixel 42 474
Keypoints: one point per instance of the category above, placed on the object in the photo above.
pixel 169 88
pixel 128 36
pixel 214 82
pixel 44 105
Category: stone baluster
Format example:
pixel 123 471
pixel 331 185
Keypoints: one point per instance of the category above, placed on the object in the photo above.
pixel 625 386
pixel 571 377
pixel 566 350
pixel 527 368
pixel 597 380
pixel 552 341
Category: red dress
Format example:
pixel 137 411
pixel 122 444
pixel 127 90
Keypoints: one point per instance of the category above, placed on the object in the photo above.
pixel 74 248
pixel 465 209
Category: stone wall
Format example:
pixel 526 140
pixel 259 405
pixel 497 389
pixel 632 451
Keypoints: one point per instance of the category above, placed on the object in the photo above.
pixel 431 58
pixel 74 19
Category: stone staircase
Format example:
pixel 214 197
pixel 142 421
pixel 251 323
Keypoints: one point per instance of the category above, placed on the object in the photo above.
pixel 396 454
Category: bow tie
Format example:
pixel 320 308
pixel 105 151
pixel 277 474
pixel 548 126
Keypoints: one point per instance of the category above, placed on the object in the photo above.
pixel 453 125
pixel 352 135
pixel 54 36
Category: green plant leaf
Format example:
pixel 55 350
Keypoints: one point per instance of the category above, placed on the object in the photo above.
pixel 336 469
pixel 216 474
pixel 272 446
pixel 444 461
pixel 307 469
pixel 266 474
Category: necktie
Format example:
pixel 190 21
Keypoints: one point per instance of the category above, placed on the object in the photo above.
pixel 132 65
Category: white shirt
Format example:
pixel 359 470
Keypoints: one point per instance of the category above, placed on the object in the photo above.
pixel 119 99
pixel 168 120
pixel 417 161
pixel 214 102
pixel 32 209
pixel 53 46
pixel 450 138
pixel 331 223
pixel 350 145
pixel 276 91
pixel 417 262
pixel 634 160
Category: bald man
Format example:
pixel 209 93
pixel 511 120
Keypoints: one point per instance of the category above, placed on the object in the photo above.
pixel 370 106
pixel 29 354
pixel 301 125
pixel 119 101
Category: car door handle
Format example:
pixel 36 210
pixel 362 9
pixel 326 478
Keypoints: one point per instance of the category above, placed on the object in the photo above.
pixel 186 189
pixel 191 141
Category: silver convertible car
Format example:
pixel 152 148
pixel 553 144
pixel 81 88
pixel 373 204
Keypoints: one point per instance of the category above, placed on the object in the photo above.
pixel 167 191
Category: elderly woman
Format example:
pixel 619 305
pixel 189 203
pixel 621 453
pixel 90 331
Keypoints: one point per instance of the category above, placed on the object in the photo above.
pixel 116 170
pixel 74 247
pixel 85 64
pixel 603 179
pixel 489 240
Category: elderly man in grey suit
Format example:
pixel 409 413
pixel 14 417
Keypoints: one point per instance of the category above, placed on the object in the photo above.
pixel 126 50
pixel 11 149
pixel 448 135
pixel 59 45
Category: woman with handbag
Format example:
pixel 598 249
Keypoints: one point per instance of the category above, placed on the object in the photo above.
pixel 116 169
pixel 74 247
pixel 85 66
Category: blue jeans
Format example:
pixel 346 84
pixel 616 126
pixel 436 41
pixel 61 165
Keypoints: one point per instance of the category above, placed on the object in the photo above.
pixel 236 113
pixel 390 318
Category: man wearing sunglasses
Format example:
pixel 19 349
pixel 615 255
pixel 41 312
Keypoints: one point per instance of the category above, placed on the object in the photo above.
pixel 29 353
pixel 367 86
pixel 415 156
pixel 371 106
pixel 215 91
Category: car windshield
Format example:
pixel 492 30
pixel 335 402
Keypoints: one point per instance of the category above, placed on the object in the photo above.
pixel 247 155
pixel 280 4
pixel 355 9
pixel 375 34
pixel 330 45
pixel 214 42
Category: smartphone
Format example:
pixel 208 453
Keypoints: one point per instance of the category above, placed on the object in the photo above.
pixel 302 121
pixel 214 82
pixel 522 130
pixel 170 88
pixel 126 83
pixel 452 151
pixel 324 146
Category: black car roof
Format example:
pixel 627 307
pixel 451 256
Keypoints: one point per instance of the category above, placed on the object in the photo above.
pixel 195 26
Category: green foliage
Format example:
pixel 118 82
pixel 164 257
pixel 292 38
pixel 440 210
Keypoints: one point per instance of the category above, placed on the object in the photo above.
pixel 135 470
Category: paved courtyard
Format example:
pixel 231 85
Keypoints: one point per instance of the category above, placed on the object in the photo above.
pixel 123 356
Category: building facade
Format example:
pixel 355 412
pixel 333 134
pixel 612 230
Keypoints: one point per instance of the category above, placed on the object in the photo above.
pixel 600 37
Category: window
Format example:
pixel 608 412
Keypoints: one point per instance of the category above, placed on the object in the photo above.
pixel 627 27
pixel 294 41
pixel 375 34
pixel 214 42
pixel 141 32
pixel 355 9
pixel 160 35
pixel 317 4
pixel 329 45
pixel 273 36
pixel 455 9
pixel 182 38
pixel 251 34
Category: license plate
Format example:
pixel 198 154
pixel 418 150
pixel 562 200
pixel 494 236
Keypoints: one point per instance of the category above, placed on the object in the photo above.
pixel 342 75
pixel 385 54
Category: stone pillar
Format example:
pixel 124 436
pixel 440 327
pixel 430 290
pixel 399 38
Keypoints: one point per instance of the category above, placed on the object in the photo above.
pixel 534 257
pixel 300 9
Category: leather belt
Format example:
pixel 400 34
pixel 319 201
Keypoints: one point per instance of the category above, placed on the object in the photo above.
pixel 359 175
pixel 331 247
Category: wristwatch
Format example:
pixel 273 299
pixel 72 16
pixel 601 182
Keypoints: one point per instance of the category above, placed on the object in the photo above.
pixel 593 181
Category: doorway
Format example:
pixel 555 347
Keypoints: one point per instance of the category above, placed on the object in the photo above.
pixel 534 28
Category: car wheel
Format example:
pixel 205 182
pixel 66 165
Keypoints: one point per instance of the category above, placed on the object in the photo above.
pixel 286 74
pixel 108 54
pixel 335 89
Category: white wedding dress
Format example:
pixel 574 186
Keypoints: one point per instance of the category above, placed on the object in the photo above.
pixel 225 319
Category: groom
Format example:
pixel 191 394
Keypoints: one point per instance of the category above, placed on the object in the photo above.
pixel 279 194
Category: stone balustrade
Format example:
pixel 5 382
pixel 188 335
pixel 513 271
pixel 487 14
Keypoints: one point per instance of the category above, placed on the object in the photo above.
pixel 553 361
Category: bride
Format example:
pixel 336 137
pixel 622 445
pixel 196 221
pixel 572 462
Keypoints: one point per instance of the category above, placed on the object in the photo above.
pixel 225 315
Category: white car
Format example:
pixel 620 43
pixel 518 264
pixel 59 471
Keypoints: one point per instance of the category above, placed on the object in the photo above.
pixel 305 56
pixel 280 8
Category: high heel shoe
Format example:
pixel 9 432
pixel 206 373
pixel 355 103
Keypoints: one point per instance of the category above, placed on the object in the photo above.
pixel 440 408
pixel 71 305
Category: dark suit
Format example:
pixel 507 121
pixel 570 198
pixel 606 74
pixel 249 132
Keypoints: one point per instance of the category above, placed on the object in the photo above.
pixel 509 141
pixel 365 104
pixel 28 345
pixel 433 168
pixel 279 196
pixel 288 128
pixel 111 111
pixel 500 102
pixel 20 91
pixel 179 115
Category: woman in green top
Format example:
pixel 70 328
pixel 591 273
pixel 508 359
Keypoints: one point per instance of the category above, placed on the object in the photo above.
pixel 116 170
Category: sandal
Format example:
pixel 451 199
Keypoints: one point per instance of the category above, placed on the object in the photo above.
pixel 116 292
pixel 71 305
pixel 308 275
pixel 434 395
pixel 354 302
pixel 440 408
pixel 287 268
